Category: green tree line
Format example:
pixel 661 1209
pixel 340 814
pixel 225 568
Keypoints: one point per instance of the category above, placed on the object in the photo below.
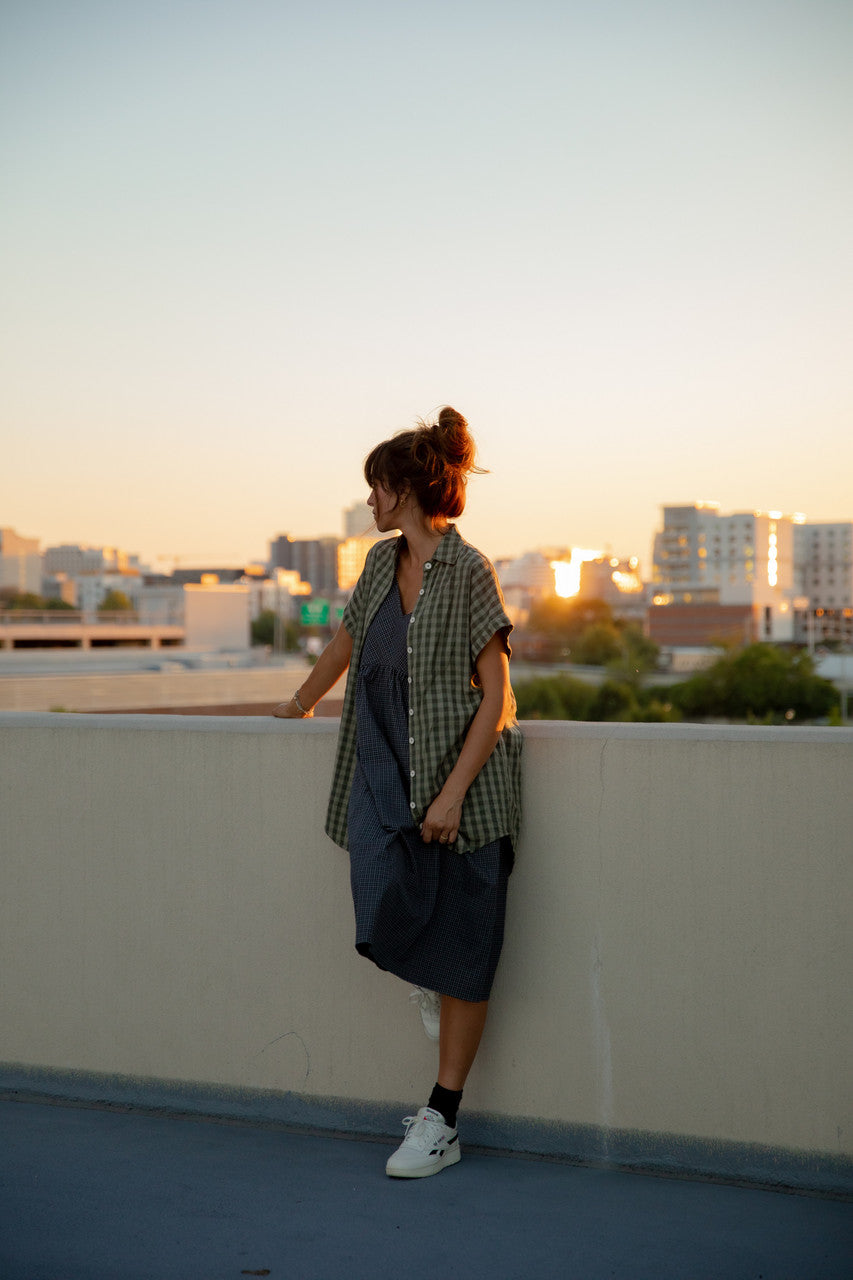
pixel 760 683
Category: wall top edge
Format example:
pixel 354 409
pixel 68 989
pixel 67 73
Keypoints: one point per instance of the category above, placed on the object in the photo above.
pixel 533 730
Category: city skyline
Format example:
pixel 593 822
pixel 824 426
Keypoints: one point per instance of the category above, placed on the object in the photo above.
pixel 567 570
pixel 244 245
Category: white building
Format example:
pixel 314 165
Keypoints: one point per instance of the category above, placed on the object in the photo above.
pixel 745 559
pixel 91 588
pixel 824 560
pixel 824 569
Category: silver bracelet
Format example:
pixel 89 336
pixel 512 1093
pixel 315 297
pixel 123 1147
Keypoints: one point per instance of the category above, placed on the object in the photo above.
pixel 299 705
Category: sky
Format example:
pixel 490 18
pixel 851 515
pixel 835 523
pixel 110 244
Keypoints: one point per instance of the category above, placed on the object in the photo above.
pixel 245 240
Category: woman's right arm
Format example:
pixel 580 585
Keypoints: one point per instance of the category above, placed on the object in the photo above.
pixel 327 670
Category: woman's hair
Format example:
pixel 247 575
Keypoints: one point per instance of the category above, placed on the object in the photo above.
pixel 432 462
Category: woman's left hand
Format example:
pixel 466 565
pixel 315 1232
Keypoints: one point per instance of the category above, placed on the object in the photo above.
pixel 441 821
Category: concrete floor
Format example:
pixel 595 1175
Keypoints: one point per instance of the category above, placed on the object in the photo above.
pixel 97 1194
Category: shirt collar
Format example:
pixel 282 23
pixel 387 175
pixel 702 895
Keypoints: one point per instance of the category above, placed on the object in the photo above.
pixel 447 550
pixel 449 547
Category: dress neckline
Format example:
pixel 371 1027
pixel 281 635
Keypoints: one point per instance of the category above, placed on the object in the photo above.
pixel 400 599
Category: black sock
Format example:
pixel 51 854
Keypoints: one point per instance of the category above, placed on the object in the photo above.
pixel 445 1101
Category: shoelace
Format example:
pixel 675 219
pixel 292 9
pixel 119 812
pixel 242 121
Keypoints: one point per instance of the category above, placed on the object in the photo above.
pixel 426 1000
pixel 423 1131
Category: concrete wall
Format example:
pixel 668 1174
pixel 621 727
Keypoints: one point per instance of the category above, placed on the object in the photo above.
pixel 139 690
pixel 675 984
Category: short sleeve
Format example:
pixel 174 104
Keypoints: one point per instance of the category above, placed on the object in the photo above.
pixel 488 615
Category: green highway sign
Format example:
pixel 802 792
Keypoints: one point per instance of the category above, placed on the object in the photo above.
pixel 314 614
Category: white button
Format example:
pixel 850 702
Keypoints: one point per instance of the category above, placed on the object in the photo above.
pixel 409 649
pixel 428 564
pixel 411 804
pixel 411 742
pixel 411 711
pixel 410 679
pixel 420 593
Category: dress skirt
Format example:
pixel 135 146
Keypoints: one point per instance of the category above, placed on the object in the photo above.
pixel 426 913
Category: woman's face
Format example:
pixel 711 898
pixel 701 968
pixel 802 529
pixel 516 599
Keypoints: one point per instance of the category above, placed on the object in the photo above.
pixel 383 504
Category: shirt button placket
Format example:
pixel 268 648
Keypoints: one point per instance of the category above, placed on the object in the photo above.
pixel 410 651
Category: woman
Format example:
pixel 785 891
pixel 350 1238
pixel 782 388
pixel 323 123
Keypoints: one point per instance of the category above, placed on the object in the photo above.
pixel 426 790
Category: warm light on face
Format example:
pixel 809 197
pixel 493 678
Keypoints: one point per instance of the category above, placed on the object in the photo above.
pixel 567 573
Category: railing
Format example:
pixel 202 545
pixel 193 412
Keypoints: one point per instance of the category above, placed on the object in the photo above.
pixel 87 617
pixel 674 989
pixel 18 616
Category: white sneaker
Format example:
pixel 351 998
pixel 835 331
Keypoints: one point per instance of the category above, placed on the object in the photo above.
pixel 428 1147
pixel 429 1003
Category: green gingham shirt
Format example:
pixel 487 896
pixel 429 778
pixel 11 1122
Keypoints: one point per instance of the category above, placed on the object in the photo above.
pixel 459 609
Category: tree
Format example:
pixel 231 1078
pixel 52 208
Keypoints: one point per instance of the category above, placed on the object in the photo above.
pixel 597 645
pixel 263 628
pixel 12 599
pixel 115 602
pixel 566 698
pixel 264 631
pixel 554 698
pixel 585 631
pixel 564 620
pixel 21 600
pixel 613 701
pixel 760 681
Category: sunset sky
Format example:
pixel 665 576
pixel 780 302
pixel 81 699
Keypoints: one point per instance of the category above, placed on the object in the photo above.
pixel 243 241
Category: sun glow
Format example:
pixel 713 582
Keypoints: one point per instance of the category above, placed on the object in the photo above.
pixel 567 573
pixel 628 583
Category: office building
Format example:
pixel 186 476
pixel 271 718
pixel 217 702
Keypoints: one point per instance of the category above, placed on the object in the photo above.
pixel 823 555
pixel 723 578
pixel 314 559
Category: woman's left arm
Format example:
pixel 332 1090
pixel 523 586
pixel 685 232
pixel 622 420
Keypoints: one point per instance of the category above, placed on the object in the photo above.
pixel 442 818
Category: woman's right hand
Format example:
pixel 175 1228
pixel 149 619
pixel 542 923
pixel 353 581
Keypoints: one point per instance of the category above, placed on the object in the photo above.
pixel 290 711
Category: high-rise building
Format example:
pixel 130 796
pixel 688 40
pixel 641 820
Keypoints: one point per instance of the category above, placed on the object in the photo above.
pixel 314 559
pixel 823 556
pixel 721 577
pixel 358 522
pixel 750 576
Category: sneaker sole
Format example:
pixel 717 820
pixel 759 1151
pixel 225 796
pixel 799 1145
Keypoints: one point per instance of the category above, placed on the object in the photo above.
pixel 453 1157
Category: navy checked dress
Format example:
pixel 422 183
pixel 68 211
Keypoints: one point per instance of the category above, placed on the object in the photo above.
pixel 426 913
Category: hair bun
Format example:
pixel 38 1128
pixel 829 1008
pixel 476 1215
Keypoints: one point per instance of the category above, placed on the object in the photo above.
pixel 433 461
pixel 453 441
pixel 452 418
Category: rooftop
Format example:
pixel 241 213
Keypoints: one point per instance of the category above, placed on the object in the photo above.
pixel 103 1194
pixel 201 1079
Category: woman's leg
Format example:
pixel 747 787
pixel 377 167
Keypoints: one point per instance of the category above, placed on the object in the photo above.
pixel 431 1141
pixel 462 1023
